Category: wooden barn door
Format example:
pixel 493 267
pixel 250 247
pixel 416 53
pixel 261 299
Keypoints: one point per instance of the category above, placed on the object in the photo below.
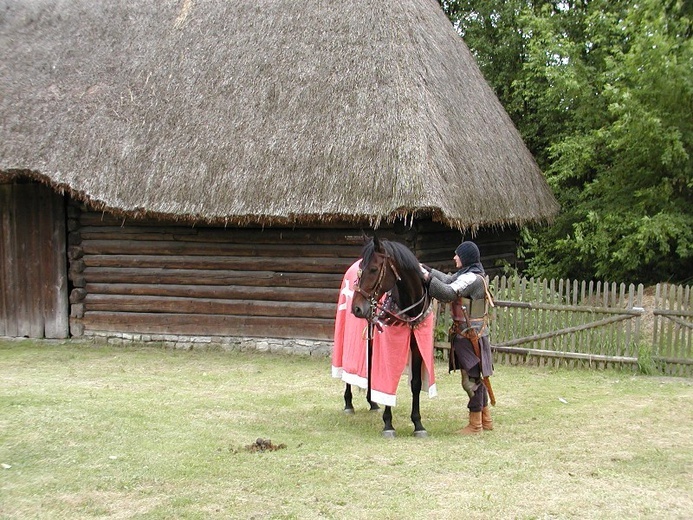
pixel 33 264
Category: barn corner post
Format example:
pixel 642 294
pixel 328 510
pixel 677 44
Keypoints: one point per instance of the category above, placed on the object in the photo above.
pixel 77 285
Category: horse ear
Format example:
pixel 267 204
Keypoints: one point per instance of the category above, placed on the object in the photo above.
pixel 376 244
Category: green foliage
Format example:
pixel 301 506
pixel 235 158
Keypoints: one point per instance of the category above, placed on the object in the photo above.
pixel 602 92
pixel 646 364
pixel 441 331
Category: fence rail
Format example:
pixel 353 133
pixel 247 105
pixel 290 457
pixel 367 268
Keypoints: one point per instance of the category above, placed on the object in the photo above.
pixel 588 324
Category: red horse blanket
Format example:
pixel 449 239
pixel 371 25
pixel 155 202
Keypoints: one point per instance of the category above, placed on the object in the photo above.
pixel 391 354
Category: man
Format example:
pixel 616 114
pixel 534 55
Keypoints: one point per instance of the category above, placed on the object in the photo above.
pixel 470 352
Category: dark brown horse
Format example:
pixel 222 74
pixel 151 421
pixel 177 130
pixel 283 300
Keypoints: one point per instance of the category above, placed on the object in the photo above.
pixel 390 267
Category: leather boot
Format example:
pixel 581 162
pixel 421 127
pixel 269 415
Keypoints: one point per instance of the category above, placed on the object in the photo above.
pixel 474 425
pixel 486 421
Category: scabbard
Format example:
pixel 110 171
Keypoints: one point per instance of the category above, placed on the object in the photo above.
pixel 487 384
pixel 474 338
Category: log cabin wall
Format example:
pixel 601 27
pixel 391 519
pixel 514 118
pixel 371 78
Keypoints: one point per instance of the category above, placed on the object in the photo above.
pixel 434 244
pixel 152 278
pixel 148 277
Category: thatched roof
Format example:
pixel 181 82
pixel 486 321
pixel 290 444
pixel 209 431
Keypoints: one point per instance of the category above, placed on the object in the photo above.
pixel 273 111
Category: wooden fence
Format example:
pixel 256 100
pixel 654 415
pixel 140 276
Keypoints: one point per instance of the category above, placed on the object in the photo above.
pixel 588 324
pixel 672 329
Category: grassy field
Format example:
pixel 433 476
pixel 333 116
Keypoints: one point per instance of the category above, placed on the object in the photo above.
pixel 145 432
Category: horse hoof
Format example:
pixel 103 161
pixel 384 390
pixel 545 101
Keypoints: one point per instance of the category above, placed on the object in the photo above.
pixel 421 434
pixel 389 434
pixel 349 411
pixel 375 408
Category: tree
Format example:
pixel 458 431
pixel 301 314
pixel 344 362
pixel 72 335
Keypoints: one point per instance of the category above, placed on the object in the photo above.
pixel 602 92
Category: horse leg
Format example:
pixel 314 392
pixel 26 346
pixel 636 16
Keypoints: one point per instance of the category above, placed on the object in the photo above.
pixel 374 406
pixel 388 429
pixel 416 383
pixel 348 405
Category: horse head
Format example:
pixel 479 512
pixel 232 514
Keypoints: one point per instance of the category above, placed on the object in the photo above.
pixel 388 267
pixel 376 276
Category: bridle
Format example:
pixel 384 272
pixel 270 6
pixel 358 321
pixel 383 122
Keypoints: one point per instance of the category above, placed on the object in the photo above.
pixel 371 297
pixel 380 311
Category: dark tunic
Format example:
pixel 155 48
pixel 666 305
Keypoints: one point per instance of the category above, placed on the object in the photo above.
pixel 471 285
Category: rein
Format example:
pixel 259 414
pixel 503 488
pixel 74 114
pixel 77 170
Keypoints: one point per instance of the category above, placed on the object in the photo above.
pixel 380 310
pixel 401 316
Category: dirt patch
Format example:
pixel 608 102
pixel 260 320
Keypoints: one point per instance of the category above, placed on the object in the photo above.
pixel 264 445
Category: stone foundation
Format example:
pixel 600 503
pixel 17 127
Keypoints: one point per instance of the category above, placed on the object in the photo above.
pixel 303 347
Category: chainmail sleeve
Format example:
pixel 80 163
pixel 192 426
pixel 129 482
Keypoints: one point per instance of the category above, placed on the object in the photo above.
pixel 445 278
pixel 441 291
pixel 447 288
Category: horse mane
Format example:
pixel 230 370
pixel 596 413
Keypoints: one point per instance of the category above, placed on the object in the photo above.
pixel 401 254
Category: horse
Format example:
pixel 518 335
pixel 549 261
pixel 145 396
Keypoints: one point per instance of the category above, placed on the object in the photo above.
pixel 391 269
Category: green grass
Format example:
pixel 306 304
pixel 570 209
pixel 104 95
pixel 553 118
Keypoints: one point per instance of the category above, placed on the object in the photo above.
pixel 145 432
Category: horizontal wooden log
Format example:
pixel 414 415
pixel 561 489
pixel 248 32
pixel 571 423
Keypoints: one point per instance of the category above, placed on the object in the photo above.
pixel 231 263
pixel 139 245
pixel 205 325
pixel 488 260
pixel 77 310
pixel 77 266
pixel 427 228
pixel 678 312
pixel 73 211
pixel 674 361
pixel 229 292
pixel 98 219
pixel 680 322
pixel 175 305
pixel 565 355
pixel 72 224
pixel 438 241
pixel 322 238
pixel 569 330
pixel 76 327
pixel 75 252
pixel 636 311
pixel 441 345
pixel 77 295
pixel 206 277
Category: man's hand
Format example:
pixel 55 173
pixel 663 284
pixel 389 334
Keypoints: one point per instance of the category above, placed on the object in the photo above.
pixel 426 271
